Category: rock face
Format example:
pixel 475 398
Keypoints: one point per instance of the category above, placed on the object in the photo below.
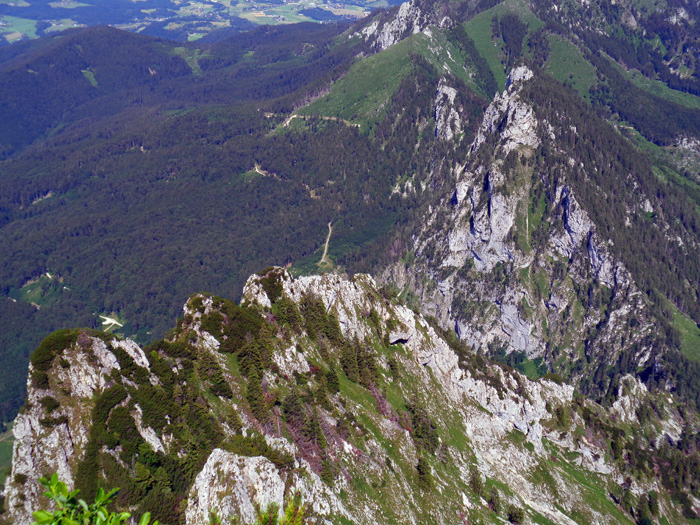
pixel 231 485
pixel 235 486
pixel 409 18
pixel 54 440
pixel 448 122
pixel 509 116
pixel 506 256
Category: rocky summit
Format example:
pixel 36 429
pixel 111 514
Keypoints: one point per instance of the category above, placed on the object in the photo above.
pixel 331 387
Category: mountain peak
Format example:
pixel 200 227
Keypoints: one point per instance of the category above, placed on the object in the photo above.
pixel 409 18
pixel 309 385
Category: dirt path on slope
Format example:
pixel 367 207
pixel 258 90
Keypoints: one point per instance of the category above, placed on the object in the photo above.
pixel 324 258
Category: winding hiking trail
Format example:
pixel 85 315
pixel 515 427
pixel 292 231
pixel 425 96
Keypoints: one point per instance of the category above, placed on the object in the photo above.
pixel 288 120
pixel 334 119
pixel 324 258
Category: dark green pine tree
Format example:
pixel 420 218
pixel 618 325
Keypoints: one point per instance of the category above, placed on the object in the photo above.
pixel 348 360
pixel 256 397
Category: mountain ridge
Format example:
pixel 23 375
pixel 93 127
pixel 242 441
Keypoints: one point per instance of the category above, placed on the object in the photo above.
pixel 484 218
pixel 496 409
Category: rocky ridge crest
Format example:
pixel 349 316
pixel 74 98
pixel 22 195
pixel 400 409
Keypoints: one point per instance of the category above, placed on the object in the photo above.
pixel 420 397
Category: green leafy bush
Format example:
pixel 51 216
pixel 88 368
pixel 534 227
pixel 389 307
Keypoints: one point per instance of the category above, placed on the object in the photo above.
pixel 40 380
pixel 50 422
pixel 73 511
pixel 555 378
pixel 42 358
pixel 106 402
pixel 257 446
pixel 332 383
pixel 210 370
pixel 287 313
pixel 175 349
pixel 128 366
pixel 475 481
pixel 317 321
pixel 295 513
pixel 425 476
pixel 495 500
pixel 369 371
pixel 515 514
pixel 348 361
pixel 256 398
pixel 424 432
pixel 213 324
pixel 219 387
pixel 197 303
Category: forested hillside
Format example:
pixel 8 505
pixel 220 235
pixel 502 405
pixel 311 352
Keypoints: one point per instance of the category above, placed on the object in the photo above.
pixel 181 191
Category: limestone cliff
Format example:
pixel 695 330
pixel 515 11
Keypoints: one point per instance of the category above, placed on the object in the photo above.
pixel 513 261
pixel 407 19
pixel 322 385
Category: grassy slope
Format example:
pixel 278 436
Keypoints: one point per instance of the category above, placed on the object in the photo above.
pixel 41 292
pixel 690 334
pixel 566 63
pixel 363 94
pixel 479 29
pixel 594 489
pixel 658 88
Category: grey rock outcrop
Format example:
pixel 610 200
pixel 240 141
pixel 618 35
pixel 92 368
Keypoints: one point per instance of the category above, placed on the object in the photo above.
pixel 448 122
pixel 235 486
pixel 56 441
pixel 230 485
pixel 510 116
pixel 407 19
pixel 476 269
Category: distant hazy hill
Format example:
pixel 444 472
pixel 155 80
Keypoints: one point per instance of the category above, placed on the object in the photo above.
pixel 44 86
pixel 177 20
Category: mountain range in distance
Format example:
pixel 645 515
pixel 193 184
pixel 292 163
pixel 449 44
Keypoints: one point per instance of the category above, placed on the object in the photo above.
pixel 182 21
